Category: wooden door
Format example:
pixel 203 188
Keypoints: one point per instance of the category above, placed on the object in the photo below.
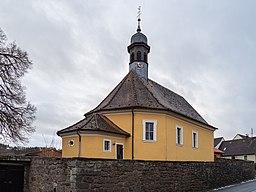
pixel 119 151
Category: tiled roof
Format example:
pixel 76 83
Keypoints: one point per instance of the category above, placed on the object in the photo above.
pixel 95 122
pixel 136 93
pixel 244 146
pixel 240 135
pixel 217 141
pixel 218 151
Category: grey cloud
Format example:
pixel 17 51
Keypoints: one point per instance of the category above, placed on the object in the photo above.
pixel 203 50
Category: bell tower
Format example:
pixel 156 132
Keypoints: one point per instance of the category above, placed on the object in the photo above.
pixel 138 50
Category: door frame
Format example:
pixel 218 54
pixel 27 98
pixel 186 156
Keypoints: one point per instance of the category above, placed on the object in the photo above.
pixel 116 149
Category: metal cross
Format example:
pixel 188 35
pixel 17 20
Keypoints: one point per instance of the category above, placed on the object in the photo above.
pixel 139 12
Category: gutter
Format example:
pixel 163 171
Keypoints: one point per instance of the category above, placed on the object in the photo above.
pixel 132 134
pixel 79 143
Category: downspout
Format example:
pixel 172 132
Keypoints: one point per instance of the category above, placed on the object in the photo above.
pixel 79 143
pixel 132 134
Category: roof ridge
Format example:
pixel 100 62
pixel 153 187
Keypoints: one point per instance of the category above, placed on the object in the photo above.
pixel 116 91
pixel 176 95
pixel 112 123
pixel 167 90
pixel 77 123
pixel 146 85
pixel 133 87
pixel 96 120
pixel 70 126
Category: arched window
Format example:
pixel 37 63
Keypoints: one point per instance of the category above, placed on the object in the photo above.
pixel 139 55
pixel 145 57
pixel 132 57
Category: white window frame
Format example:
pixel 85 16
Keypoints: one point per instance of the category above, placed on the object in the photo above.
pixel 154 130
pixel 181 135
pixel 196 144
pixel 104 150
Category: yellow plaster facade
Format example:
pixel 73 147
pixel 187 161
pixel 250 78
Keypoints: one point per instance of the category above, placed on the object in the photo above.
pixel 164 148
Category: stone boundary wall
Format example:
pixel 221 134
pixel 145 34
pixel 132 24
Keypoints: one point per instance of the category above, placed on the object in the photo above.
pixel 80 174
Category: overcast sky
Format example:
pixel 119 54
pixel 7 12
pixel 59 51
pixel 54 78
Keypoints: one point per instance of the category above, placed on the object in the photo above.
pixel 203 50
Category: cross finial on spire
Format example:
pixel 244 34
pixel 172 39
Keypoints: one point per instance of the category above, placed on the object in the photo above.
pixel 138 15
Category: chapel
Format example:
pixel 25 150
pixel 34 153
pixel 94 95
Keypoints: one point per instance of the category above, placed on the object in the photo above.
pixel 140 120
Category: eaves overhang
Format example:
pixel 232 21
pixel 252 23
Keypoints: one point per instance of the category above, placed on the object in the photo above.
pixel 81 131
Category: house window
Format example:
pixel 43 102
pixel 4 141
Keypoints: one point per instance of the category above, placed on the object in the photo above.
pixel 194 139
pixel 179 135
pixel 149 130
pixel 106 145
pixel 245 158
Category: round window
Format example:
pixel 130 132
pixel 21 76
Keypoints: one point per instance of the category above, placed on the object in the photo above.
pixel 71 143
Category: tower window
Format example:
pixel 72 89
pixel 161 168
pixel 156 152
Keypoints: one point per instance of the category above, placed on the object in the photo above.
pixel 145 57
pixel 138 55
pixel 132 57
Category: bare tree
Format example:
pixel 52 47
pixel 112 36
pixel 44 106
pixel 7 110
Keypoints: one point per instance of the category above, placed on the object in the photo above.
pixel 16 114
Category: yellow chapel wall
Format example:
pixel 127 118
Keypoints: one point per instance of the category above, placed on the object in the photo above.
pixel 67 149
pixel 124 121
pixel 150 150
pixel 165 147
pixel 185 152
pixel 92 146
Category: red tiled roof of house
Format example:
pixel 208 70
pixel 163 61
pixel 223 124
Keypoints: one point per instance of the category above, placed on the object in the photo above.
pixel 217 151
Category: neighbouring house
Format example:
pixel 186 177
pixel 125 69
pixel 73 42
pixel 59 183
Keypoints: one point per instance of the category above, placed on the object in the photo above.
pixel 217 153
pixel 218 141
pixel 240 147
pixel 239 136
pixel 140 120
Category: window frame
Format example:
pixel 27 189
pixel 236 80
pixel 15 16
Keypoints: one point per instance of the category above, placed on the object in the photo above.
pixel 181 135
pixel 104 149
pixel 154 130
pixel 193 142
pixel 71 143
